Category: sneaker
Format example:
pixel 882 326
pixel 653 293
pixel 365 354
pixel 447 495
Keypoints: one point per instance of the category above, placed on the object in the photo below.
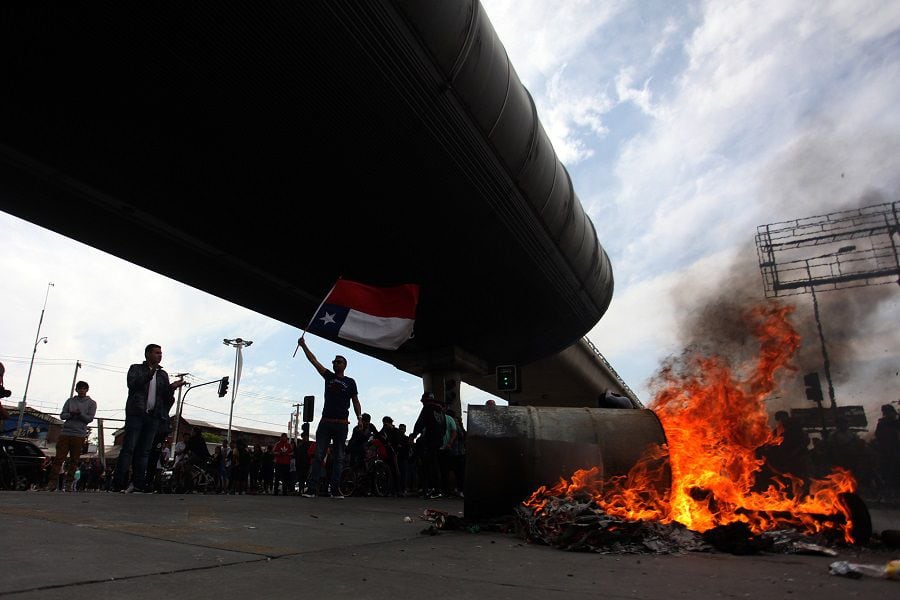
pixel 308 494
pixel 434 495
pixel 129 489
pixel 337 495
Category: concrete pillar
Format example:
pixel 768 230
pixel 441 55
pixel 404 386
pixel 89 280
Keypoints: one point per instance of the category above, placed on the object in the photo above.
pixel 450 392
pixel 445 386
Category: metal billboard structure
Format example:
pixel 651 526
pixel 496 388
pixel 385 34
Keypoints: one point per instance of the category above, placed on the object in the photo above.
pixel 850 248
pixel 845 249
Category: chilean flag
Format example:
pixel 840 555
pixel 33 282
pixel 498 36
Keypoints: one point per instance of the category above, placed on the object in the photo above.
pixel 382 317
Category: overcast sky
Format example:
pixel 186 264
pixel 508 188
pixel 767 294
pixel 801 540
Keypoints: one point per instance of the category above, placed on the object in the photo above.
pixel 684 126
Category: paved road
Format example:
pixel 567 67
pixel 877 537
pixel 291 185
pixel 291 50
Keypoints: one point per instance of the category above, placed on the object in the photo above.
pixel 101 545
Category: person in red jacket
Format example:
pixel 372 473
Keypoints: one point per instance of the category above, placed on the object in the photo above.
pixel 283 452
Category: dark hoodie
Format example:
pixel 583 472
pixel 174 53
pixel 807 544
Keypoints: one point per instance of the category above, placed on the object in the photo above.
pixel 431 422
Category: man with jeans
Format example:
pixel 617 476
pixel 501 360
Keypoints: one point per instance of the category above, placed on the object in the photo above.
pixel 77 412
pixel 332 430
pixel 150 396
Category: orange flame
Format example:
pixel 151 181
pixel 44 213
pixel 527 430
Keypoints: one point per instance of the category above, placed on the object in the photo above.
pixel 715 424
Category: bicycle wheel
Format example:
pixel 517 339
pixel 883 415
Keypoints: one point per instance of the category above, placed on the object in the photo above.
pixel 381 479
pixel 200 480
pixel 22 483
pixel 167 483
pixel 8 479
pixel 348 481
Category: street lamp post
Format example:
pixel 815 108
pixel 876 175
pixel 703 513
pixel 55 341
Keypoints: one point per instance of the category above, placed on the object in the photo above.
pixel 37 340
pixel 178 407
pixel 238 344
pixel 812 289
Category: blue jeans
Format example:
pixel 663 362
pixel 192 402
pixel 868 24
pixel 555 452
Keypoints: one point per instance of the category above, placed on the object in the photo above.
pixel 140 431
pixel 334 435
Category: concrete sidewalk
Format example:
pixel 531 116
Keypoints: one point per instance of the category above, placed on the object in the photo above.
pixel 103 545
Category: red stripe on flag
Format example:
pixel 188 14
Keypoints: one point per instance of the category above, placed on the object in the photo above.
pixel 398 301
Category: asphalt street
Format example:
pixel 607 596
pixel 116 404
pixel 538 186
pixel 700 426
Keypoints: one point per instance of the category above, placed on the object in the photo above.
pixel 108 545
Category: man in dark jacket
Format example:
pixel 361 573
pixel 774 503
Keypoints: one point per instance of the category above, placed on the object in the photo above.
pixel 150 396
pixel 431 424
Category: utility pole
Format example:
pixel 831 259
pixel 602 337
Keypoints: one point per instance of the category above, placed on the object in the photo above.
pixel 37 340
pixel 74 377
pixel 174 439
pixel 101 449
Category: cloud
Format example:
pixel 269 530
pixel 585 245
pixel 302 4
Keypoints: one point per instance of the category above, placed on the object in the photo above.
pixel 540 37
pixel 569 115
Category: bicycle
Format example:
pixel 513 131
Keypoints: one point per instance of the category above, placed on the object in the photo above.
pixel 202 481
pixel 371 477
pixel 193 477
pixel 187 478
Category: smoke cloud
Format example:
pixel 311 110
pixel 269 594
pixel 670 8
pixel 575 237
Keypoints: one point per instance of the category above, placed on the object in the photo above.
pixel 863 349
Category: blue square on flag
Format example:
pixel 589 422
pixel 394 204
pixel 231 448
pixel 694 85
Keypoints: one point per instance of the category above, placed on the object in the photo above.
pixel 329 319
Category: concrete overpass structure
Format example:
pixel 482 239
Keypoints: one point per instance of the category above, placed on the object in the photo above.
pixel 258 152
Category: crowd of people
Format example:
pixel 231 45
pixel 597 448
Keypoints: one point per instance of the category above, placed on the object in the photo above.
pixel 430 460
pixel 875 463
pixel 282 468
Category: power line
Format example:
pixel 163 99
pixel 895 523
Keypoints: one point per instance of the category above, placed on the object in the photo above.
pixel 226 414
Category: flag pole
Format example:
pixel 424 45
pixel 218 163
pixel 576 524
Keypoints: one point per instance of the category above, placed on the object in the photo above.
pixel 308 325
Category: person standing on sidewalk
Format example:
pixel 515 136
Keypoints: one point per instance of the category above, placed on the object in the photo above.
pixel 150 397
pixel 77 412
pixel 283 452
pixel 340 391
pixel 431 425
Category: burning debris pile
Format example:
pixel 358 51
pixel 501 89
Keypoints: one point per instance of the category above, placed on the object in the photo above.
pixel 580 525
pixel 723 494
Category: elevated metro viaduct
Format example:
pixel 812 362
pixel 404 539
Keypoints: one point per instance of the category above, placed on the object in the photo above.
pixel 258 153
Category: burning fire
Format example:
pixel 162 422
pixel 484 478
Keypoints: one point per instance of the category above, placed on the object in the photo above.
pixel 715 424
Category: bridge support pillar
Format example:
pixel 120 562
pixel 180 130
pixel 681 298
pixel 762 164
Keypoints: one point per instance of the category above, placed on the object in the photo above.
pixel 445 386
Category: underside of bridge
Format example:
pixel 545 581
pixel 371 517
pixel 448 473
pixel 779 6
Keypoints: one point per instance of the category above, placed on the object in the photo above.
pixel 260 151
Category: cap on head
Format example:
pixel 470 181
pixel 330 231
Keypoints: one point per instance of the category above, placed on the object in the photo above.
pixel 386 420
pixel 428 397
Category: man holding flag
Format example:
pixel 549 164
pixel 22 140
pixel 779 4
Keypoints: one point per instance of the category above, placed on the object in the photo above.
pixel 340 391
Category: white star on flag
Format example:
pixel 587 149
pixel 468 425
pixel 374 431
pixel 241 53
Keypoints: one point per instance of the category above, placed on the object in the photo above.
pixel 328 318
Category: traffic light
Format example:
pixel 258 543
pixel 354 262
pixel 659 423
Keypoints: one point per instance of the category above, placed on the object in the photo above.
pixel 507 378
pixel 813 387
pixel 309 404
pixel 223 387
